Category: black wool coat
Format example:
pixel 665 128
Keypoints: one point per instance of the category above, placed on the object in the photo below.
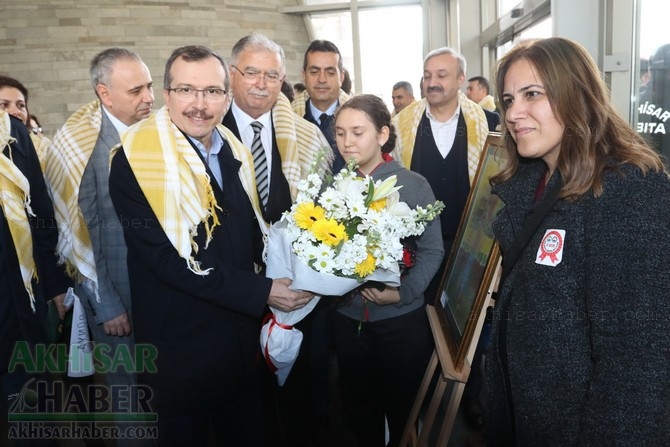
pixel 580 350
pixel 17 319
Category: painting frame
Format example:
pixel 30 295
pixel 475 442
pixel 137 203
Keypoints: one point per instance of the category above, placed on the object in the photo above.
pixel 473 260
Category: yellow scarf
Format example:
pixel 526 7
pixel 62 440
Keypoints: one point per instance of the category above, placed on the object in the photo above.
pixel 15 203
pixel 407 122
pixel 299 104
pixel 66 160
pixel 175 182
pixel 298 142
pixel 41 144
pixel 488 103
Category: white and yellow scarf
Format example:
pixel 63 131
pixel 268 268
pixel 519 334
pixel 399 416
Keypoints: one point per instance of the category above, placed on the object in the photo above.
pixel 299 104
pixel 488 103
pixel 407 123
pixel 41 144
pixel 66 160
pixel 174 180
pixel 15 203
pixel 298 141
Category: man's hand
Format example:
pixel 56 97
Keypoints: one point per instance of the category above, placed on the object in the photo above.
pixel 118 326
pixel 61 308
pixel 285 299
pixel 389 295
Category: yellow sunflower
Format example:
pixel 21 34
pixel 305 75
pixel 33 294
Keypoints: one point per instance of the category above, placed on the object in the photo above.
pixel 307 213
pixel 329 231
pixel 365 267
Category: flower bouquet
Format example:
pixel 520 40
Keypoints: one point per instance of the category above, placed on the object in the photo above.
pixel 333 239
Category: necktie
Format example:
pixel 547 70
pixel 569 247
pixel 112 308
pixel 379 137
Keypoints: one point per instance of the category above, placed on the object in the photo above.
pixel 260 164
pixel 326 126
pixel 324 123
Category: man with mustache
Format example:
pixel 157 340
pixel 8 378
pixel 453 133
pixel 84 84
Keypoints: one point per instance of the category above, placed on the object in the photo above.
pixel 283 146
pixel 442 137
pixel 186 187
pixel 77 166
pixel 289 143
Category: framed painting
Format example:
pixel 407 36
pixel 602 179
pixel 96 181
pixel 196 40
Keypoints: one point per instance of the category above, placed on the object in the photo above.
pixel 473 259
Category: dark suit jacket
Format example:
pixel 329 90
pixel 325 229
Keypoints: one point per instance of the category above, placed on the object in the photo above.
pixel 17 320
pixel 329 133
pixel 206 328
pixel 280 194
pixel 492 119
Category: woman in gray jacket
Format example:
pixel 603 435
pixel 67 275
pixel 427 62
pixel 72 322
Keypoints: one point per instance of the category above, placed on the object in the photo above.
pixel 382 336
pixel 580 346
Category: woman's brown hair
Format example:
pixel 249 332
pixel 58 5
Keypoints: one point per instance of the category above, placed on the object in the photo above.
pixel 595 134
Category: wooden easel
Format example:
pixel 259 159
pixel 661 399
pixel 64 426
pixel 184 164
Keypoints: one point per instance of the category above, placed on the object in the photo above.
pixel 449 374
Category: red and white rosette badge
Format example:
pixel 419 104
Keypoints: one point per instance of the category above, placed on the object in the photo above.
pixel 551 248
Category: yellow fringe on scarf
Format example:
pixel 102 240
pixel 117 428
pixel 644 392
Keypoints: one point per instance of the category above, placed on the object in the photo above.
pixel 175 182
pixel 15 204
pixel 407 122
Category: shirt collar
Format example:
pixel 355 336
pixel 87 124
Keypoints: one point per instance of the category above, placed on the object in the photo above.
pixel 316 113
pixel 454 116
pixel 217 143
pixel 118 125
pixel 243 120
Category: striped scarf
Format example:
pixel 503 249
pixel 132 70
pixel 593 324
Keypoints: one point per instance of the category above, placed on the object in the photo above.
pixel 299 104
pixel 407 122
pixel 488 103
pixel 174 181
pixel 298 141
pixel 66 160
pixel 15 204
pixel 41 144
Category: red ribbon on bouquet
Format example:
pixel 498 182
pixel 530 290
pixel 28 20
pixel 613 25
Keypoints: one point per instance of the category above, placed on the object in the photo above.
pixel 274 323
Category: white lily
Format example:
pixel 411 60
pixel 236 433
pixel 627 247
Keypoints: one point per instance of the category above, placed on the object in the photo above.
pixel 384 188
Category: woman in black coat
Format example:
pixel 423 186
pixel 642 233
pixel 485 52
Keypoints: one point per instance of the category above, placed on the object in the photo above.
pixel 580 346
pixel 21 320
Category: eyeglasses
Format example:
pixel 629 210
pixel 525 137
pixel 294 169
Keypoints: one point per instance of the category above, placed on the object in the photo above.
pixel 36 130
pixel 189 93
pixel 251 75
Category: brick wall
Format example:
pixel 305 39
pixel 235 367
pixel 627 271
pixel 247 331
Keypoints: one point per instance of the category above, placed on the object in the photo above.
pixel 48 44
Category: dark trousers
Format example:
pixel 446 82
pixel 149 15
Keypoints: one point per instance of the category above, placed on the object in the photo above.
pixel 297 412
pixel 380 372
pixel 229 428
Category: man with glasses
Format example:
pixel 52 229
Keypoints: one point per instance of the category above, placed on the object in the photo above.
pixel 323 73
pixel 77 167
pixel 184 186
pixel 283 145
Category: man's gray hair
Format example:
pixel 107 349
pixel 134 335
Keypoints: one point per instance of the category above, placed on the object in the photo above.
pixel 257 41
pixel 447 50
pixel 404 84
pixel 102 63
